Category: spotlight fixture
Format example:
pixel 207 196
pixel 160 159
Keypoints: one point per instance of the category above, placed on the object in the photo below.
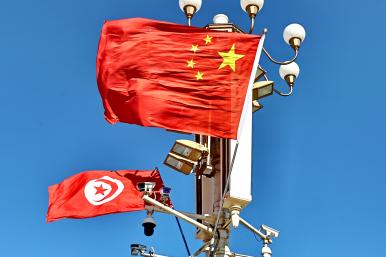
pixel 262 89
pixel 189 149
pixel 185 156
pixel 260 73
pixel 179 164
pixel 256 106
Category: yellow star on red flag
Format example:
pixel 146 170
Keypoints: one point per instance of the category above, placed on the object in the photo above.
pixel 199 75
pixel 230 58
pixel 190 64
pixel 194 48
pixel 202 74
pixel 208 39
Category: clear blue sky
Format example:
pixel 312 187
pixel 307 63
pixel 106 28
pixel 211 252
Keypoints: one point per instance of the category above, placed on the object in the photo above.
pixel 319 156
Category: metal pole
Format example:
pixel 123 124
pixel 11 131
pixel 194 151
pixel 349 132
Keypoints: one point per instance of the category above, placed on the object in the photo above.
pixel 177 214
pixel 191 215
pixel 253 229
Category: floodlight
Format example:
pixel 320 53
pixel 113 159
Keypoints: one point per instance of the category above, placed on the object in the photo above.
pixel 262 89
pixel 256 106
pixel 180 164
pixel 259 73
pixel 189 149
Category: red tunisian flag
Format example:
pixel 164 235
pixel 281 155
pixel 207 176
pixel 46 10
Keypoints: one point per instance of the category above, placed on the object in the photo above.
pixel 94 193
pixel 160 74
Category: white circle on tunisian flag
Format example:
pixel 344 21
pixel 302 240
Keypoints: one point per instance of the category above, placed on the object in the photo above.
pixel 102 190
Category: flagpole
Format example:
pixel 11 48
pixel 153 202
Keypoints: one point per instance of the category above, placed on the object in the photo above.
pixel 223 176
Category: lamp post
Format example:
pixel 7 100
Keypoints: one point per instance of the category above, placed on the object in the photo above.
pixel 222 166
pixel 222 151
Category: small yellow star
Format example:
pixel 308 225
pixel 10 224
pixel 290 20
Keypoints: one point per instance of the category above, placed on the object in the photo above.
pixel 199 75
pixel 208 39
pixel 191 64
pixel 230 58
pixel 194 48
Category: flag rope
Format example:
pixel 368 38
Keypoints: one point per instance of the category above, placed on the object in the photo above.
pixel 183 236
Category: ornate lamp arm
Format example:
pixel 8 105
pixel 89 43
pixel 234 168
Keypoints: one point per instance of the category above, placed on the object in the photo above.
pixel 285 94
pixel 278 62
pixel 278 92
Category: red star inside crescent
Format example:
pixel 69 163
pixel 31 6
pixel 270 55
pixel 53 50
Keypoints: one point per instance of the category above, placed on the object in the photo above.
pixel 100 190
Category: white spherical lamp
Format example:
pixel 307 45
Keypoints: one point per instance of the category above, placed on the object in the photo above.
pixel 246 3
pixel 289 73
pixel 294 34
pixel 220 19
pixel 190 7
pixel 194 3
pixel 289 69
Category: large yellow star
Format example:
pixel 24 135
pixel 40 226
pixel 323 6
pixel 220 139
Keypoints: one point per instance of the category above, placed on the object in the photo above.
pixel 191 64
pixel 199 75
pixel 208 39
pixel 230 58
pixel 194 48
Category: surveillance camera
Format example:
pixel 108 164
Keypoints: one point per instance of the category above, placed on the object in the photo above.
pixel 270 231
pixel 146 186
pixel 137 249
pixel 148 225
pixel 266 251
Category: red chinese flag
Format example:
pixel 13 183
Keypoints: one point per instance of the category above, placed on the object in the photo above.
pixel 95 193
pixel 160 74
